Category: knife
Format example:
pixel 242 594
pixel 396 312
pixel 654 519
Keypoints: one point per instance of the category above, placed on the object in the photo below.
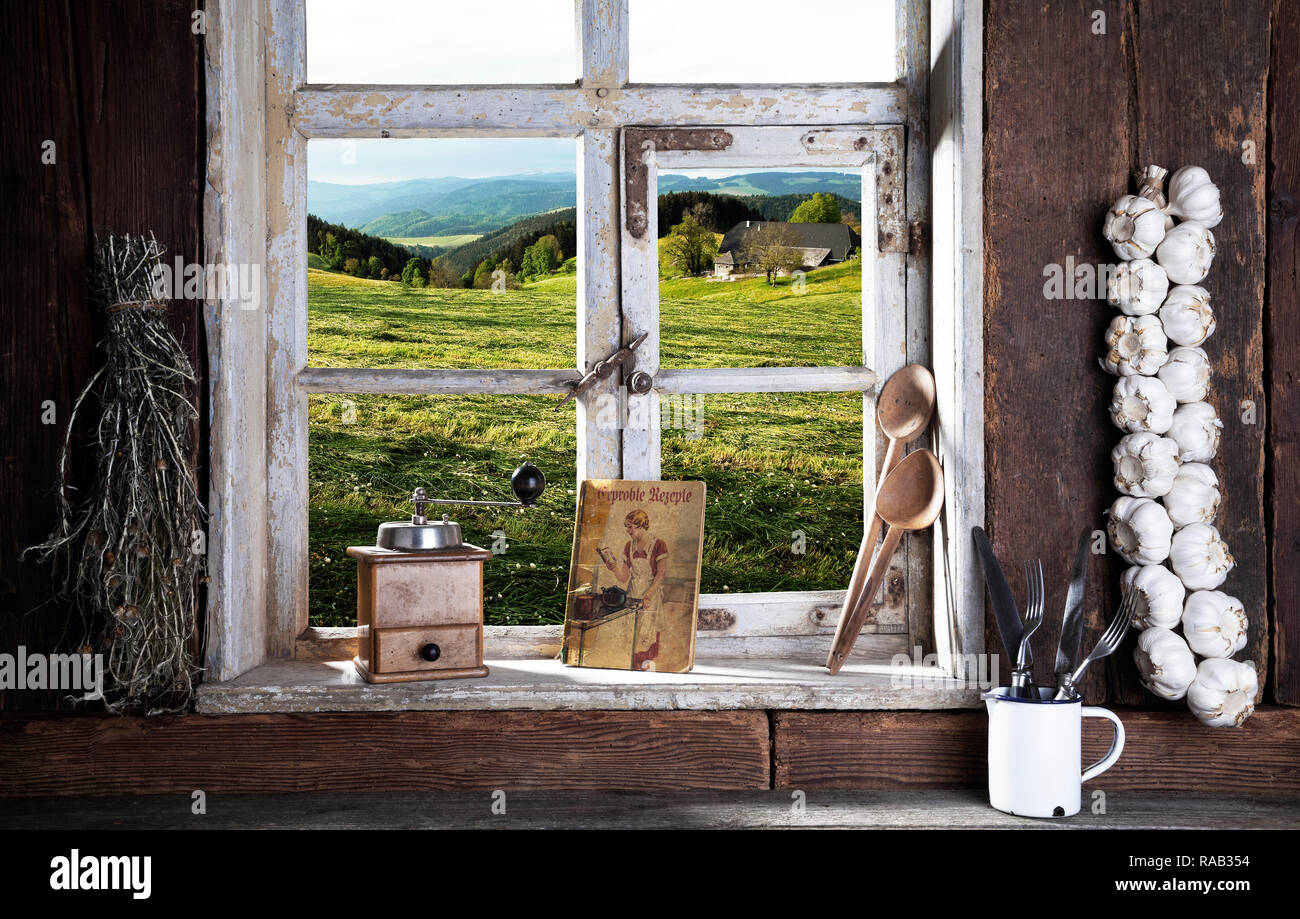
pixel 1004 607
pixel 1067 652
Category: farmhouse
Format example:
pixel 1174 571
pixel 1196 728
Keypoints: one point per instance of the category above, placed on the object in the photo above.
pixel 820 243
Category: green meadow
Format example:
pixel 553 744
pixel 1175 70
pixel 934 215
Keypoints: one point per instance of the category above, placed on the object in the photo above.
pixel 446 242
pixel 774 464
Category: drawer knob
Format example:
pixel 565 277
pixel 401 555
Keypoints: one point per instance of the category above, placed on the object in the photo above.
pixel 431 652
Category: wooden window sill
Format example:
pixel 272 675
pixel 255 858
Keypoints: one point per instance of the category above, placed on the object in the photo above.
pixel 540 684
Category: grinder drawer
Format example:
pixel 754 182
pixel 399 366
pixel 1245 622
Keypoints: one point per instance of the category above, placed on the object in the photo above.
pixel 440 647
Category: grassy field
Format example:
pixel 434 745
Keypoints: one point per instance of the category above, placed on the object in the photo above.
pixel 774 464
pixel 446 242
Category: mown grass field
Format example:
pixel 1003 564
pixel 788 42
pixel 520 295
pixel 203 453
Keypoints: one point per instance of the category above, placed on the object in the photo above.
pixel 774 464
pixel 447 242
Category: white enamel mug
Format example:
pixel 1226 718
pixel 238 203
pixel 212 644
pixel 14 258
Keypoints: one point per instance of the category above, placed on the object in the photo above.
pixel 1035 745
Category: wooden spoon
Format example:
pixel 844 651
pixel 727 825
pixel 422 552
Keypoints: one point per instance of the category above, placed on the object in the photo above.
pixel 909 498
pixel 903 411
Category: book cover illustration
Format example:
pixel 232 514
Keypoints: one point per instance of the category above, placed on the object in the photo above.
pixel 634 580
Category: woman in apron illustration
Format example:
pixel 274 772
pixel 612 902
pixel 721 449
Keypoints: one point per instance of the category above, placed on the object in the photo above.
pixel 643 567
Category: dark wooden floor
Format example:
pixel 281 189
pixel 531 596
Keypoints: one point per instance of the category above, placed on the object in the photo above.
pixel 953 809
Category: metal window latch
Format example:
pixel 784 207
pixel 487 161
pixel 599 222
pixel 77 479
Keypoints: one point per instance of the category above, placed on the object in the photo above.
pixel 602 369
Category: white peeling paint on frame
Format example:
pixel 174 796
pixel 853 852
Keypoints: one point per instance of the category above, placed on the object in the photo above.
pixel 254 212
pixel 234 225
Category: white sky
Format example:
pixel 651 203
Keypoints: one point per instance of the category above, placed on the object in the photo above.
pixel 535 41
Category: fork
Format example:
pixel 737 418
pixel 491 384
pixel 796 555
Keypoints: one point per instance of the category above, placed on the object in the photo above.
pixel 1022 676
pixel 1110 641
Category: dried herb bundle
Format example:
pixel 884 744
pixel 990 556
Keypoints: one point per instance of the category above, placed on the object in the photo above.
pixel 129 551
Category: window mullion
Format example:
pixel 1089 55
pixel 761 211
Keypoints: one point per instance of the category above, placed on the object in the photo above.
pixel 603 42
pixel 600 454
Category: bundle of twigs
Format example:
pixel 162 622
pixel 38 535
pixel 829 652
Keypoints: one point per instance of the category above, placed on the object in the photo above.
pixel 129 547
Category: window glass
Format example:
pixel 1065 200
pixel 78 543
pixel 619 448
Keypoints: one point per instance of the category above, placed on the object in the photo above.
pixel 441 41
pixel 368 453
pixel 442 253
pixel 760 268
pixel 784 477
pixel 762 41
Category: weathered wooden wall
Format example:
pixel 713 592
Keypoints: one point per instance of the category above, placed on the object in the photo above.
pixel 1282 338
pixel 1070 115
pixel 116 85
pixel 1072 112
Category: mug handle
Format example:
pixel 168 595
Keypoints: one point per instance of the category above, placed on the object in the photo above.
pixel 1116 745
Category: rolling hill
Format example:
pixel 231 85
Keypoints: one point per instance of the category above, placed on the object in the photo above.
pixel 358 205
pixel 767 183
pixel 453 206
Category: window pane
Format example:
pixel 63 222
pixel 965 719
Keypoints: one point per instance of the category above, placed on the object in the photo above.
pixel 760 268
pixel 762 41
pixel 441 41
pixel 784 474
pixel 368 453
pixel 429 253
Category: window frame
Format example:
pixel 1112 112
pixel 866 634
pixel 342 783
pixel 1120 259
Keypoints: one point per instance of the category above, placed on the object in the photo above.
pixel 261 115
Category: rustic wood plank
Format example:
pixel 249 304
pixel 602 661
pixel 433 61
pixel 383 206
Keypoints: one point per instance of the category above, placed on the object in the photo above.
pixel 435 382
pixel 143 172
pixel 600 443
pixel 912 31
pixel 235 232
pixel 956 123
pixel 602 42
pixel 784 674
pixel 1163 751
pixel 94 85
pixel 1213 59
pixel 769 379
pixel 565 110
pixel 1048 182
pixel 808 616
pixel 285 303
pixel 46 325
pixel 409 751
pixel 1282 341
pixel 539 810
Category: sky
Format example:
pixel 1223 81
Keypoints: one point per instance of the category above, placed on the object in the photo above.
pixel 535 41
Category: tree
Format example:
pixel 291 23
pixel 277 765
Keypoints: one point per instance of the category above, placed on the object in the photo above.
pixel 353 267
pixel 441 274
pixel 542 257
pixel 691 247
pixel 483 275
pixel 412 269
pixel 332 252
pixel 820 208
pixel 376 268
pixel 773 249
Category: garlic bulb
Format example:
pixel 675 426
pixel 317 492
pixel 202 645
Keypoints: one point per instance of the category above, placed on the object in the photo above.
pixel 1159 602
pixel 1140 531
pixel 1196 428
pixel 1186 374
pixel 1137 287
pixel 1192 196
pixel 1187 316
pixel 1146 464
pixel 1165 662
pixel 1223 693
pixel 1198 555
pixel 1215 624
pixel 1142 404
pixel 1193 497
pixel 1186 253
pixel 1135 226
pixel 1136 344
